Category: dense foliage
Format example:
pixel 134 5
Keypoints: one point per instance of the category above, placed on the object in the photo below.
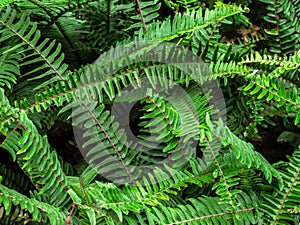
pixel 220 148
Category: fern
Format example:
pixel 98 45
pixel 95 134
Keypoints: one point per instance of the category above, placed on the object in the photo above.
pixel 149 13
pixel 283 15
pixel 37 52
pixel 279 210
pixel 168 120
pixel 38 210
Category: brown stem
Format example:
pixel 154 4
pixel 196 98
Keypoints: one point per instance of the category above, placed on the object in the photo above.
pixel 139 9
pixel 70 214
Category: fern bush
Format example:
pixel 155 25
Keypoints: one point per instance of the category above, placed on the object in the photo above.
pixel 199 153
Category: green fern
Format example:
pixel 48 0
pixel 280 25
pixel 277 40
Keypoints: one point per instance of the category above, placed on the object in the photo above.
pixel 197 103
pixel 279 210
pixel 284 17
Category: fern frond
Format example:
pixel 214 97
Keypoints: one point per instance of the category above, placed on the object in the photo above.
pixel 118 202
pixel 39 52
pixel 284 16
pixel 9 69
pixel 187 23
pixel 203 210
pixel 245 153
pixel 33 154
pixel 15 180
pixel 37 211
pixel 271 89
pixel 279 210
pixel 149 11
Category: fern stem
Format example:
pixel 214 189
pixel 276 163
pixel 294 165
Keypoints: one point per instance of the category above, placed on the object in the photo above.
pixel 70 214
pixel 221 171
pixel 31 46
pixel 210 36
pixel 110 141
pixel 210 216
pixel 139 9
pixel 285 197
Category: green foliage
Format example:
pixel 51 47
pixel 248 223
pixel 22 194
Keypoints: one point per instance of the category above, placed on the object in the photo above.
pixel 284 17
pixel 281 209
pixel 81 63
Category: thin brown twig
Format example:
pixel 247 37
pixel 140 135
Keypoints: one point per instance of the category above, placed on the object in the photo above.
pixel 209 38
pixel 139 9
pixel 70 214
